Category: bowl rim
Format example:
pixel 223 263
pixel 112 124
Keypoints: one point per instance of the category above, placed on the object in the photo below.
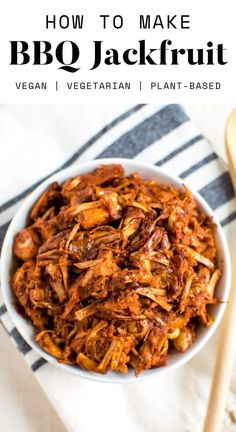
pixel 83 168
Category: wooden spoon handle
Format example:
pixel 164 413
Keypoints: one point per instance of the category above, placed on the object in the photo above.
pixel 224 364
pixel 230 145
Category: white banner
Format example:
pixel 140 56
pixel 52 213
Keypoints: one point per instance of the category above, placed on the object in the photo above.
pixel 131 51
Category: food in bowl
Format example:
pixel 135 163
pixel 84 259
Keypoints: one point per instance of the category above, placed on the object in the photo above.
pixel 115 271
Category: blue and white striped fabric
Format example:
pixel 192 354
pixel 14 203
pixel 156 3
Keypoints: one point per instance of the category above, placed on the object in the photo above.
pixel 162 135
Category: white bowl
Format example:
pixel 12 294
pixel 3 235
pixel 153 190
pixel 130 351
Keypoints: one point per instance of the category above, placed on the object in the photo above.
pixel 26 329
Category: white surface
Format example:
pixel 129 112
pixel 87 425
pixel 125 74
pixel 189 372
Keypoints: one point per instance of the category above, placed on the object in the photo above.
pixel 23 406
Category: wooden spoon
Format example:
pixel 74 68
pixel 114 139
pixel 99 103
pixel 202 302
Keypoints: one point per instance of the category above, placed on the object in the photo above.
pixel 227 344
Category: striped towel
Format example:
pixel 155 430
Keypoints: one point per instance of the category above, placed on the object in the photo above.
pixel 47 139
